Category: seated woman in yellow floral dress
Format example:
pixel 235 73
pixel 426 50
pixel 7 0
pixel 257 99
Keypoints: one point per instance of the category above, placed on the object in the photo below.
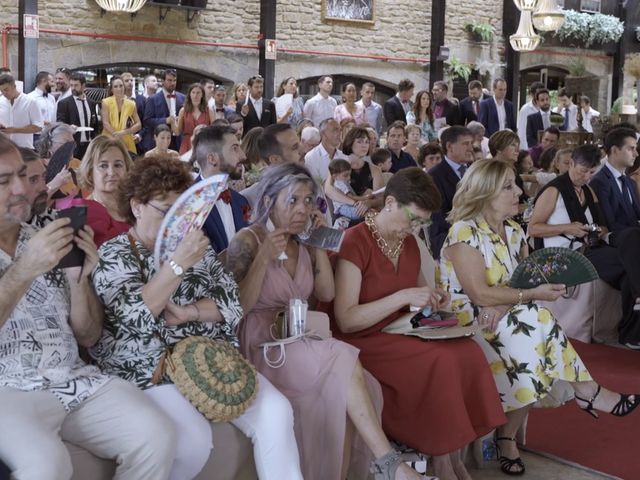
pixel 526 349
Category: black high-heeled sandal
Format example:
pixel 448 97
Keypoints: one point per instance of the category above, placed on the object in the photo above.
pixel 624 406
pixel 506 464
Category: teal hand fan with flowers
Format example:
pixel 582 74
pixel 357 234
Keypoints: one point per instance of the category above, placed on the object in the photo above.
pixel 553 265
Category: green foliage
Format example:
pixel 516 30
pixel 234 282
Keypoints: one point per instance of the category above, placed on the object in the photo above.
pixel 590 28
pixel 483 31
pixel 577 67
pixel 457 68
pixel 616 108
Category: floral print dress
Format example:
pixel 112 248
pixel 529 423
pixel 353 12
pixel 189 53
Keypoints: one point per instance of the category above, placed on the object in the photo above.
pixel 528 351
pixel 133 340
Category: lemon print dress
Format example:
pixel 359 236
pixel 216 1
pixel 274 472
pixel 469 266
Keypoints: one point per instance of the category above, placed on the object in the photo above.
pixel 528 351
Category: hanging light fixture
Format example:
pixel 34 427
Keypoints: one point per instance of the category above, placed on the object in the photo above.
pixel 525 39
pixel 548 17
pixel 526 5
pixel 128 6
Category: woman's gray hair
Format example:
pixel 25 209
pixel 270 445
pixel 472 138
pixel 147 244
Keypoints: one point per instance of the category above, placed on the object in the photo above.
pixel 47 135
pixel 276 179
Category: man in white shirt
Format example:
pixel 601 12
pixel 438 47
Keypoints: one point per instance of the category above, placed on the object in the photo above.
pixel 20 116
pixel 318 159
pixel 588 113
pixel 257 111
pixel 42 96
pixel 216 103
pixel 568 110
pixel 527 109
pixel 322 105
pixel 372 110
pixel 309 139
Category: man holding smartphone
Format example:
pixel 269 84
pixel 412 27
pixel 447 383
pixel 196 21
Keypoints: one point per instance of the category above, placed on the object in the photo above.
pixel 48 394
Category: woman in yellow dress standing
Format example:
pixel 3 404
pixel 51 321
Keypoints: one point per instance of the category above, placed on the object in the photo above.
pixel 119 115
pixel 524 345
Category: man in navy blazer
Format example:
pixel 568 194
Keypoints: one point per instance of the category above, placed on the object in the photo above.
pixel 496 113
pixel 470 106
pixel 541 120
pixel 396 108
pixel 611 181
pixel 620 204
pixel 457 143
pixel 257 111
pixel 217 150
pixel 163 108
pixel 150 83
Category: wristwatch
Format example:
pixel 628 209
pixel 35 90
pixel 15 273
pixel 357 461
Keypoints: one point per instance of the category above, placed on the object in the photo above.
pixel 177 269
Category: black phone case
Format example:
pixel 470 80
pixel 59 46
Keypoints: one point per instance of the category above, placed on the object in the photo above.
pixel 78 216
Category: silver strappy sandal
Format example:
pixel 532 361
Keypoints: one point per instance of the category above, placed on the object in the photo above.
pixel 384 468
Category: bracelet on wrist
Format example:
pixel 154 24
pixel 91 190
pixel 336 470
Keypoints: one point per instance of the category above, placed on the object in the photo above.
pixel 197 312
pixel 520 296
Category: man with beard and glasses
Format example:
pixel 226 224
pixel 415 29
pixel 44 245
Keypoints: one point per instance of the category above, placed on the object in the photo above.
pixel 42 96
pixel 217 150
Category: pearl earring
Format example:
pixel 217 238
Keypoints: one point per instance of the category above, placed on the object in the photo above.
pixel 387 209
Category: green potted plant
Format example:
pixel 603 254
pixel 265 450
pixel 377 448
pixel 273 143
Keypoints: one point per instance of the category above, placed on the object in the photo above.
pixel 456 68
pixel 480 32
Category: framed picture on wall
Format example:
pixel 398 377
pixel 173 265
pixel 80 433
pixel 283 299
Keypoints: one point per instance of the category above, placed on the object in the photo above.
pixel 350 11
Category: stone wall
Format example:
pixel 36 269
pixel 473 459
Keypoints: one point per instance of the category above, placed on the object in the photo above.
pixel 462 45
pixel 401 29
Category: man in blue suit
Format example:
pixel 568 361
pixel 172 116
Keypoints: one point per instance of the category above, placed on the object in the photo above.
pixel 496 113
pixel 217 150
pixel 541 120
pixel 620 210
pixel 150 83
pixel 163 108
pixel 620 204
pixel 457 143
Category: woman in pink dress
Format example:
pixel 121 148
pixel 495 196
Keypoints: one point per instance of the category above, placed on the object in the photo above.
pixel 194 112
pixel 349 108
pixel 328 389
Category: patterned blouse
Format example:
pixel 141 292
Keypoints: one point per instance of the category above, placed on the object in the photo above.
pixel 38 350
pixel 133 340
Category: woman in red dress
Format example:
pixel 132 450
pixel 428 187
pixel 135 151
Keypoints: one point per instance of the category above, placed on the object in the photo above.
pixel 438 395
pixel 195 112
pixel 106 163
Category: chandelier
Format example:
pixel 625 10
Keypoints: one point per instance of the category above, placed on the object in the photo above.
pixel 525 39
pixel 128 6
pixel 548 17
pixel 524 5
